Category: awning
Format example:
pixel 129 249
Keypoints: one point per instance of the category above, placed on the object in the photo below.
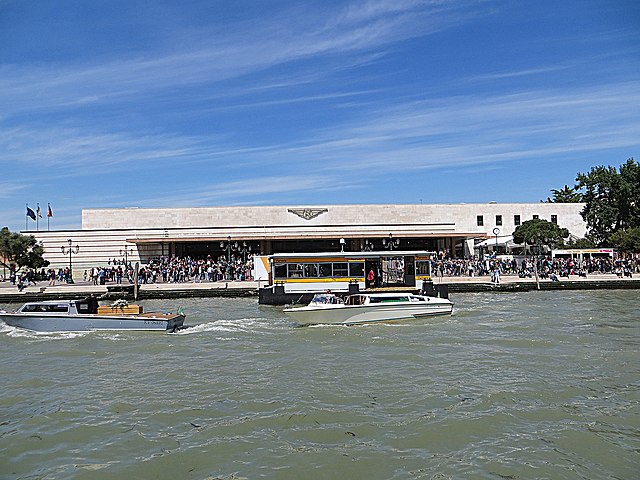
pixel 504 241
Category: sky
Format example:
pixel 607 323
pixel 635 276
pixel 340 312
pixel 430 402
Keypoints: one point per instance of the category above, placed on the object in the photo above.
pixel 174 103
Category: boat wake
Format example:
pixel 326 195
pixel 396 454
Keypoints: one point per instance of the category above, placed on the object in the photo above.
pixel 232 326
pixel 15 332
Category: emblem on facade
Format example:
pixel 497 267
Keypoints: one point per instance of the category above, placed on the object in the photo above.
pixel 308 213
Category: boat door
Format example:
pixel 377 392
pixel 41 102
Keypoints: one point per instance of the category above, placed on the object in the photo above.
pixel 392 271
pixel 371 265
pixel 409 271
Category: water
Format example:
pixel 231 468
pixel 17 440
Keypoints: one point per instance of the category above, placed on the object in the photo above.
pixel 528 385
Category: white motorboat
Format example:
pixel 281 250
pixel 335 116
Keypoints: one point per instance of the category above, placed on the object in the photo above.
pixel 86 315
pixel 368 308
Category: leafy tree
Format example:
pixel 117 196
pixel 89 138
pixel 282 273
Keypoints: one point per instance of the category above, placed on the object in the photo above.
pixel 612 199
pixel 566 194
pixel 20 250
pixel 540 232
pixel 586 242
pixel 627 240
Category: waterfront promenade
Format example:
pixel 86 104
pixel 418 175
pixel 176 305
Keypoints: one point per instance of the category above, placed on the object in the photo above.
pixel 508 283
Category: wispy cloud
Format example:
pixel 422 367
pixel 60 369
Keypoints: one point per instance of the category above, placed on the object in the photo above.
pixel 425 134
pixel 357 30
pixel 11 189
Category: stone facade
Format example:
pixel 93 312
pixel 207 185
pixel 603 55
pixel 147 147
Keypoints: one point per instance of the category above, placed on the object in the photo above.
pixel 146 233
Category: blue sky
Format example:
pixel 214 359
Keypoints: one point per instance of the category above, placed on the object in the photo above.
pixel 167 103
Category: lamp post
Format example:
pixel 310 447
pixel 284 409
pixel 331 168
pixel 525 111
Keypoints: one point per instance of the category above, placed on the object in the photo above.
pixel 126 252
pixel 229 247
pixel 70 250
pixel 244 249
pixel 496 231
pixel 342 243
pixel 391 242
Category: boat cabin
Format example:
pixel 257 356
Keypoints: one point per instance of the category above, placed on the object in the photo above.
pixel 317 272
pixel 69 307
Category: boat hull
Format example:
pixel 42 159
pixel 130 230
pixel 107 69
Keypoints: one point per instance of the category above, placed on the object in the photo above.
pixel 82 323
pixel 359 314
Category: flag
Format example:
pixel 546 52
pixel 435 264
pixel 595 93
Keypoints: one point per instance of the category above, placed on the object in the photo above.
pixel 31 214
pixel 49 212
pixel 38 211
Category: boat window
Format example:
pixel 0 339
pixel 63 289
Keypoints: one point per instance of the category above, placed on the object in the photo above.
pixel 355 300
pixel 296 270
pixel 83 307
pixel 387 299
pixel 340 270
pixel 423 268
pixel 310 270
pixel 356 269
pixel 281 271
pixel 63 308
pixel 324 269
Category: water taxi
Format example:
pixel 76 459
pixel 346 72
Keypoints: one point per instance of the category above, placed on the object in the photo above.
pixel 368 308
pixel 86 315
pixel 296 277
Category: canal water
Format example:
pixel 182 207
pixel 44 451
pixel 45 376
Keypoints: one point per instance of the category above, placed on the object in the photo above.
pixel 512 386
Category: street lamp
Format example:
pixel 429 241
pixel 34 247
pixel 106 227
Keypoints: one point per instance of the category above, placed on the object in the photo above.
pixel 391 243
pixel 70 250
pixel 496 231
pixel 126 252
pixel 244 249
pixel 229 248
pixel 342 242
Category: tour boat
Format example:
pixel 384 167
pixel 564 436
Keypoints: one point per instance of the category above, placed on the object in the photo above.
pixel 86 315
pixel 368 308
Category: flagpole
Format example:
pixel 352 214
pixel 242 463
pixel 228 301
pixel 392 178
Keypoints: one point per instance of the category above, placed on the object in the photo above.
pixel 48 216
pixel 37 216
pixel 25 216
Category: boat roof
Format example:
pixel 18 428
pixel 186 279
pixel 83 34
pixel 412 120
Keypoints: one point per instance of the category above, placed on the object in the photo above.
pixel 52 302
pixel 384 294
pixel 370 254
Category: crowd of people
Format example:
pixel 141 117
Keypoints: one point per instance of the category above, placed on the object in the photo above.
pixel 547 267
pixel 172 269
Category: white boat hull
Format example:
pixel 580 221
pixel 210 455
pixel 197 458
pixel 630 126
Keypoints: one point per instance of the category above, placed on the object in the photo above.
pixel 357 314
pixel 81 323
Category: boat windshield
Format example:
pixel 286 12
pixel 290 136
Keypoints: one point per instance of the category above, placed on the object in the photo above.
pixel 45 307
pixel 325 298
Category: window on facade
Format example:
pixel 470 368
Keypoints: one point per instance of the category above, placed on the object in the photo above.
pixel 516 220
pixel 480 220
pixel 499 220
pixel 536 217
pixel 554 219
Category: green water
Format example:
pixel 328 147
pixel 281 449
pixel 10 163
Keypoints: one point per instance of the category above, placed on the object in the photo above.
pixel 517 386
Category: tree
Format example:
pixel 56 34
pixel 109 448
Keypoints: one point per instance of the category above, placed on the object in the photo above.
pixel 627 240
pixel 612 199
pixel 566 194
pixel 586 242
pixel 540 232
pixel 20 250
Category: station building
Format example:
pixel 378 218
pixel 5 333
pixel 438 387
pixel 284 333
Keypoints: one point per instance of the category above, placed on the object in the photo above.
pixel 141 234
